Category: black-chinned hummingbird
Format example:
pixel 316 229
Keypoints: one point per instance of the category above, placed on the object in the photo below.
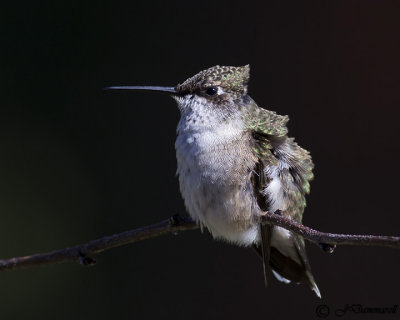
pixel 235 162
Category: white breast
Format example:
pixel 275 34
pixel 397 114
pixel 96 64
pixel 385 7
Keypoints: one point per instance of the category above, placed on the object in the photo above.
pixel 215 191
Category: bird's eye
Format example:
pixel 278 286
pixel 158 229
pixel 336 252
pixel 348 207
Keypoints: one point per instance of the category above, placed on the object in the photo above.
pixel 211 91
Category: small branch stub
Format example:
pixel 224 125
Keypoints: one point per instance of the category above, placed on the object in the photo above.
pixel 328 248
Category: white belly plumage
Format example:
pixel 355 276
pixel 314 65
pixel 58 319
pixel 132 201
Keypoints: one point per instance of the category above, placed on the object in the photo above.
pixel 212 196
pixel 219 197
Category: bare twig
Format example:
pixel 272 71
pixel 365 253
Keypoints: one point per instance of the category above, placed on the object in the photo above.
pixel 81 253
pixel 330 239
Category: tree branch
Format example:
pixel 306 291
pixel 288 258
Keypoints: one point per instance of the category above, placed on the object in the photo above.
pixel 330 239
pixel 81 253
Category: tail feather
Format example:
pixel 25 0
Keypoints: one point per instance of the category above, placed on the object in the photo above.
pixel 265 231
pixel 288 268
pixel 287 265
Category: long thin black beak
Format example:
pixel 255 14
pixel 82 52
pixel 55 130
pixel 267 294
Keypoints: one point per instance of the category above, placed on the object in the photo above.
pixel 145 88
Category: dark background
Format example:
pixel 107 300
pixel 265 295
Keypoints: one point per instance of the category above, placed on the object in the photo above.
pixel 78 163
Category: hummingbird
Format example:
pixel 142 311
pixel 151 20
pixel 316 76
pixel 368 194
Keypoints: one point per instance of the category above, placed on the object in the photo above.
pixel 235 162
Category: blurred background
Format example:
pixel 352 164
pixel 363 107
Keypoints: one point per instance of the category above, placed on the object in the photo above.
pixel 78 163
